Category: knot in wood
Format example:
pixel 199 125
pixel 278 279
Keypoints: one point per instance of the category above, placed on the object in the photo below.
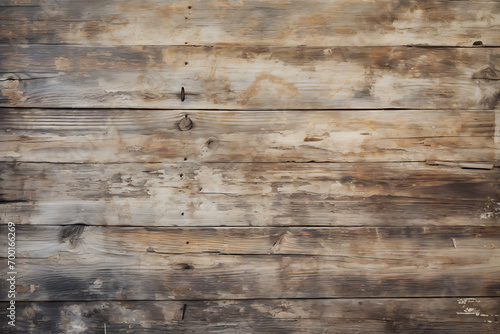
pixel 71 234
pixel 185 124
pixel 487 72
pixel 212 143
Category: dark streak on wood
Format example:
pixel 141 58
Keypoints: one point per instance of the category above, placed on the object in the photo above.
pixel 184 308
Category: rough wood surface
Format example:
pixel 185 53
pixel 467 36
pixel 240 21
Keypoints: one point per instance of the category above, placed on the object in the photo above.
pixel 423 315
pixel 106 135
pixel 286 166
pixel 274 77
pixel 264 22
pixel 405 244
pixel 249 194
pixel 154 276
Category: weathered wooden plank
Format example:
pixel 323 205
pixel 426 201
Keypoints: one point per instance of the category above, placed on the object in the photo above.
pixel 405 244
pixel 429 315
pixel 273 77
pixel 295 210
pixel 264 22
pixel 242 194
pixel 154 276
pixel 497 134
pixel 107 135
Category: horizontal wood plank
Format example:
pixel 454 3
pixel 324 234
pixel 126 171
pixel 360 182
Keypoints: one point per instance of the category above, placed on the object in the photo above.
pixel 249 194
pixel 296 210
pixel 429 315
pixel 107 135
pixel 154 276
pixel 273 77
pixel 264 22
pixel 404 244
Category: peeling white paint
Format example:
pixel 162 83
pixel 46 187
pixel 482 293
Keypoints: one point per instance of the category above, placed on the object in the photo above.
pixel 463 301
pixel 97 283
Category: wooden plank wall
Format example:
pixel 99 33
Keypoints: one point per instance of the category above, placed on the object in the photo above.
pixel 239 166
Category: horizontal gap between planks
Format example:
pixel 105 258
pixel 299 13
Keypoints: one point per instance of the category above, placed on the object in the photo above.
pixel 228 109
pixel 430 46
pixel 249 226
pixel 243 299
pixel 496 166
pixel 166 162
pixel 271 227
pixel 244 255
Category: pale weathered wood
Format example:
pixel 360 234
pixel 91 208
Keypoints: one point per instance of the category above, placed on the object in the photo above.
pixel 429 315
pixel 242 194
pixel 264 22
pixel 405 244
pixel 154 276
pixel 106 135
pixel 243 77
pixel 295 210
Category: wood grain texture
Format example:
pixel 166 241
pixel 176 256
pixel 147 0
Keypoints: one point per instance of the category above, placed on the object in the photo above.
pixel 229 166
pixel 423 315
pixel 113 136
pixel 273 77
pixel 249 194
pixel 154 276
pixel 264 22
pixel 405 244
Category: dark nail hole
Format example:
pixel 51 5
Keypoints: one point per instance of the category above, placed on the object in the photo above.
pixel 185 42
pixel 182 214
pixel 189 7
pixel 183 94
pixel 183 266
pixel 186 18
pixel 186 63
pixel 477 43
pixel 185 159
pixel 187 242
pixel 181 175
